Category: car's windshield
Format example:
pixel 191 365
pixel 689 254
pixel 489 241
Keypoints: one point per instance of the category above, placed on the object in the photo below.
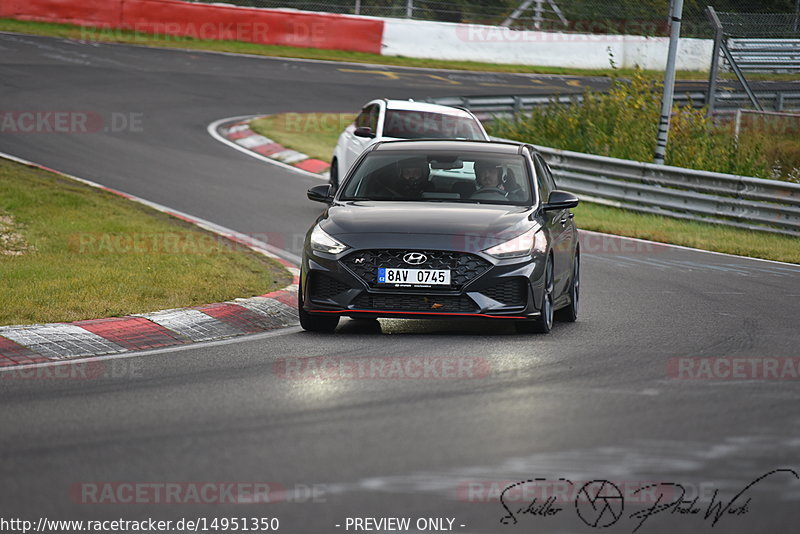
pixel 441 177
pixel 405 124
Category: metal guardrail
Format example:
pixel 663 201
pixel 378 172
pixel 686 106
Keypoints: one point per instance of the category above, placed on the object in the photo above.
pixel 766 55
pixel 727 199
pixel 487 107
pixel 739 201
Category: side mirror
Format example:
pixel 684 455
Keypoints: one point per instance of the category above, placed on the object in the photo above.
pixel 320 193
pixel 364 131
pixel 560 200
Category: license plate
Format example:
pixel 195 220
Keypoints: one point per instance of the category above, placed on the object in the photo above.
pixel 414 277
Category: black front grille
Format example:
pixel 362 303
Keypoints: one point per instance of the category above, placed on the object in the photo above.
pixel 463 267
pixel 512 292
pixel 323 287
pixel 417 303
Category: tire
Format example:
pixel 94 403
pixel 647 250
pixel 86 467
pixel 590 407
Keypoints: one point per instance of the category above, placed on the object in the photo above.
pixel 334 175
pixel 570 313
pixel 544 323
pixel 314 323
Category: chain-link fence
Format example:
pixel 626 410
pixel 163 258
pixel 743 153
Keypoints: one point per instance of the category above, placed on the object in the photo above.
pixel 760 25
pixel 631 17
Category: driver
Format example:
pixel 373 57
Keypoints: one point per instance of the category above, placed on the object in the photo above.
pixel 488 176
pixel 412 177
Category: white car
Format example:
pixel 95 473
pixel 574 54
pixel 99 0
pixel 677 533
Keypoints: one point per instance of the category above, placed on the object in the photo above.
pixel 386 120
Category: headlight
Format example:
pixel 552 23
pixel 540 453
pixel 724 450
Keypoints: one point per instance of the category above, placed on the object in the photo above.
pixel 322 242
pixel 522 245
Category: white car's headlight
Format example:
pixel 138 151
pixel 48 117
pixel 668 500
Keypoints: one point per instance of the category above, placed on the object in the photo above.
pixel 322 242
pixel 522 245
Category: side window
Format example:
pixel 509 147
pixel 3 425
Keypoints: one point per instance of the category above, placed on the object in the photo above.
pixel 374 110
pixel 368 117
pixel 363 118
pixel 543 179
pixel 549 175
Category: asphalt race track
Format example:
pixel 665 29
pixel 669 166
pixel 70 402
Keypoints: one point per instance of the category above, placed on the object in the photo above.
pixel 597 399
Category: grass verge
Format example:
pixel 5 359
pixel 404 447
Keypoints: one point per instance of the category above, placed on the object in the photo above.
pixel 588 216
pixel 704 236
pixel 314 134
pixel 167 41
pixel 76 252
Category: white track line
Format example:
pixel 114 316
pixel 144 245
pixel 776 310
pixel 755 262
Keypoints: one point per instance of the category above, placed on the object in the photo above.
pixel 212 131
pixel 688 248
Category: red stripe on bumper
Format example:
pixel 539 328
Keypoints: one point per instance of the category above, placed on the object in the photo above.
pixel 420 313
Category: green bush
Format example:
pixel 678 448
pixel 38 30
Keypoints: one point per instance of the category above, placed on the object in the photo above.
pixel 622 123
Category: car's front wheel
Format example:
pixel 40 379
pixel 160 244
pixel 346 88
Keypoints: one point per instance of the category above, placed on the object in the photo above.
pixel 544 323
pixel 570 313
pixel 314 323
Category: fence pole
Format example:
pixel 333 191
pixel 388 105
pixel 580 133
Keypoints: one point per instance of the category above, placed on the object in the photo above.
pixel 669 83
pixel 712 75
pixel 737 126
pixel 409 9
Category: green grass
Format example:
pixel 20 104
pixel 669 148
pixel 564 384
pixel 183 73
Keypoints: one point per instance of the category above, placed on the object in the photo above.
pixel 314 134
pixel 598 217
pixel 704 236
pixel 129 37
pixel 87 253
pixel 623 123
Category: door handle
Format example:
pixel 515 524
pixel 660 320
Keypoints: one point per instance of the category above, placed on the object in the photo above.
pixel 563 220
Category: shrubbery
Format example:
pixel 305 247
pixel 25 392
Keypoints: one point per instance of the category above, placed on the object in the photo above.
pixel 622 123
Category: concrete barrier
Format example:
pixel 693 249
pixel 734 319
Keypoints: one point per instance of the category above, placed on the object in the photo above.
pixel 472 42
pixel 391 37
pixel 204 21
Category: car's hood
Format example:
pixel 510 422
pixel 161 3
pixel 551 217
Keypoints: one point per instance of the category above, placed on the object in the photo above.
pixel 492 223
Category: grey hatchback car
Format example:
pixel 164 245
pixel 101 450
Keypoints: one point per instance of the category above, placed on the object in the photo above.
pixel 443 229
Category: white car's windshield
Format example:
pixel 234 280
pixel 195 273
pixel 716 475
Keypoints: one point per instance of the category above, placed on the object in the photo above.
pixel 405 124
pixel 441 177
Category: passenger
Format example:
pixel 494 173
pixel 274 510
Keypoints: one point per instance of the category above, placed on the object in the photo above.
pixel 514 190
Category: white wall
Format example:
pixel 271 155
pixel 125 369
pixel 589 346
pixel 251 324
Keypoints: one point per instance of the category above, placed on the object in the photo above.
pixel 443 40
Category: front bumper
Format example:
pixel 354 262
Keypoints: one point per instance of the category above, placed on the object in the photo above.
pixel 483 286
